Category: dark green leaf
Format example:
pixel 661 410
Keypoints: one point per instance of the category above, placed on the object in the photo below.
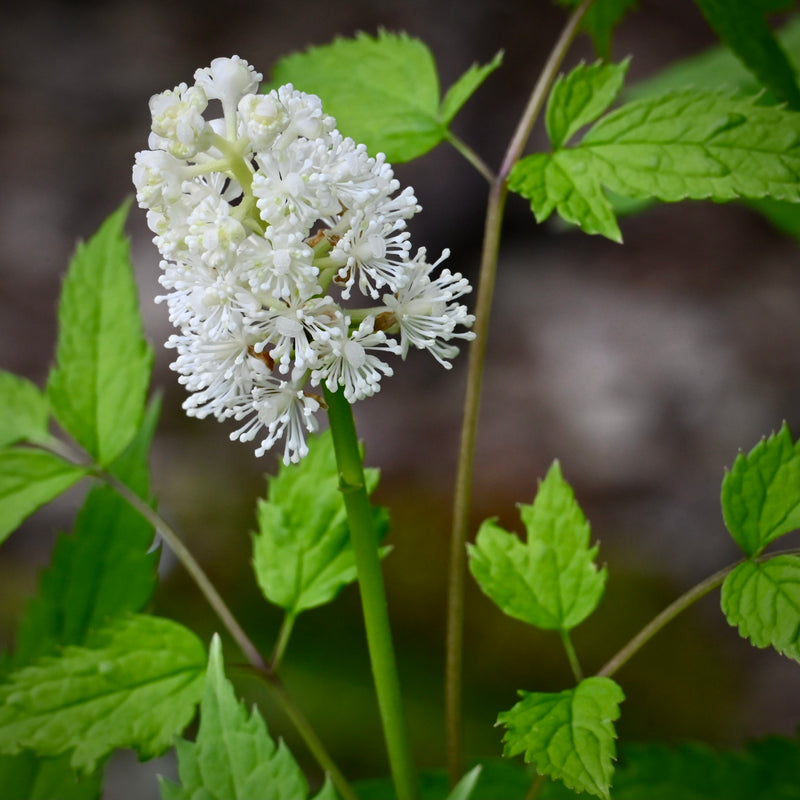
pixel 26 776
pixel 25 410
pixel 465 87
pixel 302 554
pixel 762 599
pixel 761 493
pixel 741 24
pixel 551 581
pixel 97 388
pixel 383 91
pixel 135 684
pixel 601 19
pixel 568 735
pixel 30 479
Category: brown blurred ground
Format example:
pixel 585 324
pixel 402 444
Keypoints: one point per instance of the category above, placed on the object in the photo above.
pixel 643 368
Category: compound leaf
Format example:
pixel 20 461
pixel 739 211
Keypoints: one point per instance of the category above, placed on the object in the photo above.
pixel 28 480
pixel 233 757
pixel 25 410
pixel 135 684
pixel 302 554
pixel 762 599
pixel 98 385
pixel 551 581
pixel 383 90
pixel 568 735
pixel 580 97
pixel 761 493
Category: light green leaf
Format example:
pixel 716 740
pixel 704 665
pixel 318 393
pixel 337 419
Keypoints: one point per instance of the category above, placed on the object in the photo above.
pixel 762 599
pixel 383 90
pixel 97 388
pixel 742 25
pixel 25 410
pixel 568 735
pixel 761 493
pixel 581 97
pixel 104 569
pixel 465 87
pixel 233 757
pixel 601 19
pixel 690 144
pixel 464 788
pixel 302 554
pixel 28 480
pixel 26 776
pixel 552 581
pixel 135 684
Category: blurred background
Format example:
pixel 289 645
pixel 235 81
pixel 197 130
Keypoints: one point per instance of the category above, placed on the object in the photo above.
pixel 643 368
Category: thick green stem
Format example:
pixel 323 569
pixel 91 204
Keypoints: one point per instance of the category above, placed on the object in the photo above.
pixel 498 192
pixel 373 595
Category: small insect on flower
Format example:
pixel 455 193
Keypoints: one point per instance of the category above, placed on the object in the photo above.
pixel 267 218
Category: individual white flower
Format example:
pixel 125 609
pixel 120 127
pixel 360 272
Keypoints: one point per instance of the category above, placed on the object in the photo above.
pixel 263 119
pixel 178 123
pixel 228 80
pixel 279 264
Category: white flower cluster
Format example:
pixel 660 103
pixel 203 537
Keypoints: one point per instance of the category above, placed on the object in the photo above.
pixel 268 220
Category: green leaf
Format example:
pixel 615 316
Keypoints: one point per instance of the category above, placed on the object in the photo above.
pixel 581 97
pixel 568 735
pixel 552 581
pixel 103 569
pixel 465 87
pixel 464 788
pixel 762 599
pixel 233 757
pixel 135 684
pixel 302 554
pixel 383 91
pixel 761 493
pixel 25 776
pixel 742 25
pixel 30 479
pixel 690 144
pixel 97 388
pixel 25 410
pixel 601 19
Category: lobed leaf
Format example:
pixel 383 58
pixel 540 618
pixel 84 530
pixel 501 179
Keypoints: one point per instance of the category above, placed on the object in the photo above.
pixel 302 554
pixel 568 735
pixel 742 25
pixel 465 87
pixel 104 569
pixel 761 493
pixel 580 97
pixel 762 599
pixel 552 581
pixel 691 144
pixel 28 480
pixel 233 756
pixel 25 410
pixel 98 385
pixel 134 684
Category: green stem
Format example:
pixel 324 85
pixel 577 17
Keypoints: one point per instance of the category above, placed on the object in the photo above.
pixel 574 664
pixel 536 787
pixel 283 639
pixel 498 192
pixel 470 155
pixel 373 596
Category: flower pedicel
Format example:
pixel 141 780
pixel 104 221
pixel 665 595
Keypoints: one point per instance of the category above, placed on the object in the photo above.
pixel 267 218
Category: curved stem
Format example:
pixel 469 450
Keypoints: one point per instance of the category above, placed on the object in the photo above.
pixel 373 595
pixel 498 192
pixel 283 639
pixel 470 155
pixel 574 664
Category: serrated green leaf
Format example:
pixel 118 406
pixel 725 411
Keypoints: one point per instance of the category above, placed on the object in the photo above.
pixel 26 776
pixel 466 86
pixel 25 410
pixel 103 569
pixel 383 90
pixel 762 599
pixel 742 25
pixel 97 388
pixel 28 480
pixel 684 145
pixel 601 19
pixel 135 684
pixel 552 581
pixel 580 97
pixel 302 554
pixel 233 757
pixel 761 493
pixel 568 735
